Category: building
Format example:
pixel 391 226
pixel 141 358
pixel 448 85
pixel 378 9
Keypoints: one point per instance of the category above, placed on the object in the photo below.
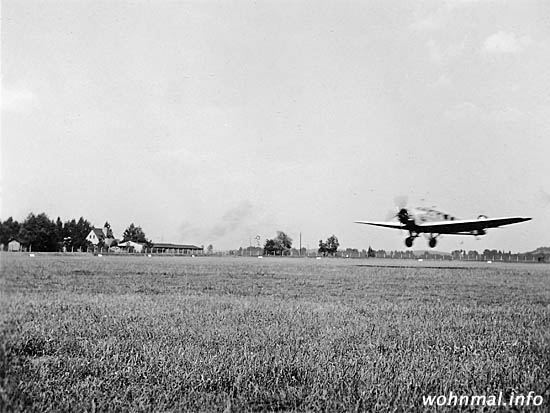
pixel 15 245
pixel 96 236
pixel 166 248
pixel 130 246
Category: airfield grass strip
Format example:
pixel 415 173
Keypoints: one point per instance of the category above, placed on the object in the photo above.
pixel 242 335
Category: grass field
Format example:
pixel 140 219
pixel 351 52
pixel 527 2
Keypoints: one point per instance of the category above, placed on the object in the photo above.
pixel 244 334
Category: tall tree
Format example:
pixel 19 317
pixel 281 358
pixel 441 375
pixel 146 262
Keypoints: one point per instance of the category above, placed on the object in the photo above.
pixel 39 232
pixel 59 234
pixel 108 230
pixel 9 229
pixel 136 234
pixel 322 247
pixel 332 244
pixel 83 228
pixel 269 247
pixel 280 245
pixel 75 233
pixel 283 242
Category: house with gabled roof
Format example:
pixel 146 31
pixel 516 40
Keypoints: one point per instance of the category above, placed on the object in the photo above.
pixel 16 245
pixel 96 236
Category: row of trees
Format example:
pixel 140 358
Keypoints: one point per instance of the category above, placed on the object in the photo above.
pixel 40 233
pixel 282 245
pixel 330 246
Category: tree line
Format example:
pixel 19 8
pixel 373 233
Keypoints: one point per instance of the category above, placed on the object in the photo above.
pixel 281 244
pixel 40 233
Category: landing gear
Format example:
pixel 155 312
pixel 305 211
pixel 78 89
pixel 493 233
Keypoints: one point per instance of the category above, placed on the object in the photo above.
pixel 409 241
pixel 432 243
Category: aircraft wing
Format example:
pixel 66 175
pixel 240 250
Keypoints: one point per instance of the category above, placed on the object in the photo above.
pixel 464 225
pixel 394 225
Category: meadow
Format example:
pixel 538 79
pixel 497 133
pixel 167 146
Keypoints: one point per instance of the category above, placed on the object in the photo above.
pixel 85 333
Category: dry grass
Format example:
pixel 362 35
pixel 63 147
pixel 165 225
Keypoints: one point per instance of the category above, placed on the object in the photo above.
pixel 172 334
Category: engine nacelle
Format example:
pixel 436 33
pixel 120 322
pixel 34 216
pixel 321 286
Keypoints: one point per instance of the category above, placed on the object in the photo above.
pixel 404 217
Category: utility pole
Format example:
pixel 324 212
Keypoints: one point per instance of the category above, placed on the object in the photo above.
pixel 300 251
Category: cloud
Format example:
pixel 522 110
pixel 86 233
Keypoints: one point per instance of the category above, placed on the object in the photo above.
pixel 505 43
pixel 18 99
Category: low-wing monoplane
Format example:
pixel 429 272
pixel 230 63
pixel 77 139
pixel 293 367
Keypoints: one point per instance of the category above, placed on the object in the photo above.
pixel 433 223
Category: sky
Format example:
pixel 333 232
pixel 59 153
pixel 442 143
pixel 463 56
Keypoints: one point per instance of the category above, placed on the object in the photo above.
pixel 213 122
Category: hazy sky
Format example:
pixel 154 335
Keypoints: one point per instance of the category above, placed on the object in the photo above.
pixel 216 121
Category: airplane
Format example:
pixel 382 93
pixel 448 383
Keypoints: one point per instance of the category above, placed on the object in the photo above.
pixel 433 223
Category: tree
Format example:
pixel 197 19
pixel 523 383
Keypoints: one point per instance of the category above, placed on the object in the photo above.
pixel 371 253
pixel 283 242
pixel 280 245
pixel 9 229
pixel 39 232
pixel 322 247
pixel 59 233
pixel 270 247
pixel 352 252
pixel 332 244
pixel 209 249
pixel 108 230
pixel 75 233
pixel 135 234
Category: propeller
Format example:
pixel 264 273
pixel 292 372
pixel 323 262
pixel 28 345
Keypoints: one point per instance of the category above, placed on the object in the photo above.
pixel 401 212
pixel 403 216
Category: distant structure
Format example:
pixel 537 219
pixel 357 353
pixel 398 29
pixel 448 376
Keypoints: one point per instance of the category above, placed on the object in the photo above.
pixel 96 236
pixel 166 248
pixel 101 235
pixel 131 246
pixel 15 245
pixel 109 237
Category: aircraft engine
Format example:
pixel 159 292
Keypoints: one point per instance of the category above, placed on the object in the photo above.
pixel 404 217
pixel 479 232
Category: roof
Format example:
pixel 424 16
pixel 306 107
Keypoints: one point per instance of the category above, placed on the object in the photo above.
pixel 176 246
pixel 98 232
pixel 129 243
